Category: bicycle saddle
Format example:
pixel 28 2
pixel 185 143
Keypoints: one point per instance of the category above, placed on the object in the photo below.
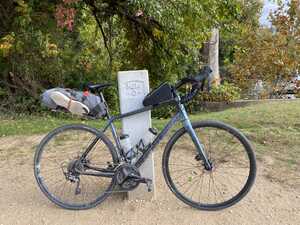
pixel 97 87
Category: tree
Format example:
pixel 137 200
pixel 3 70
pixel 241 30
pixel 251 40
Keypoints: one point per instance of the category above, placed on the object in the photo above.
pixel 230 38
pixel 231 41
pixel 214 57
pixel 97 38
pixel 271 55
pixel 162 36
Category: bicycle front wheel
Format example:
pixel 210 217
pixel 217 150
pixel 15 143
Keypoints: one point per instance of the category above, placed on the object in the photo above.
pixel 56 158
pixel 232 158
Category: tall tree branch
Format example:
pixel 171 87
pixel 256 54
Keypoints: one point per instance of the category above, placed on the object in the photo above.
pixel 105 39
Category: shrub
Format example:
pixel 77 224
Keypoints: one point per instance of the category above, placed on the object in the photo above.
pixel 225 92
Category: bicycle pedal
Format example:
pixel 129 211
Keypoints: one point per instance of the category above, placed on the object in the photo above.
pixel 146 181
pixel 149 184
pixel 78 191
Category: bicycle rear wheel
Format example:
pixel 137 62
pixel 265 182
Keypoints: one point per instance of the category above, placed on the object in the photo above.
pixel 57 156
pixel 232 158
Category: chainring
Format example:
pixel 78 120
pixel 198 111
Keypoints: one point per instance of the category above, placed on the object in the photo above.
pixel 122 176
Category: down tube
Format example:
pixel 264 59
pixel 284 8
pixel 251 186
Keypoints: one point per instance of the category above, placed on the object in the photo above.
pixel 159 137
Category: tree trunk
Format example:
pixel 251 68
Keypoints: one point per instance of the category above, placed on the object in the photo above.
pixel 214 58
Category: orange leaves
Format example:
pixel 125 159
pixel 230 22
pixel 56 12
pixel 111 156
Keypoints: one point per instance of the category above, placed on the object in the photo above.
pixel 271 54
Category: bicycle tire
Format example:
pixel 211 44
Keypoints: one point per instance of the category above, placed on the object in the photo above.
pixel 42 148
pixel 209 206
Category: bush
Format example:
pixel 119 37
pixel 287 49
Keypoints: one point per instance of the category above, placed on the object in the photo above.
pixel 225 92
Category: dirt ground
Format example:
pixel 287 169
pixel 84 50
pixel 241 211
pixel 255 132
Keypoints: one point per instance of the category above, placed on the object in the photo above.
pixel 21 202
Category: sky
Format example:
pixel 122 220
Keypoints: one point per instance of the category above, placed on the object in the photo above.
pixel 269 6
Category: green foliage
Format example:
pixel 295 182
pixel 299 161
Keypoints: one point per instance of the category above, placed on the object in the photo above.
pixel 103 38
pixel 226 92
pixel 33 58
pixel 162 36
pixel 230 41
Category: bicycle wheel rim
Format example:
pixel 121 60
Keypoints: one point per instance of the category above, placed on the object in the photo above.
pixel 83 201
pixel 244 189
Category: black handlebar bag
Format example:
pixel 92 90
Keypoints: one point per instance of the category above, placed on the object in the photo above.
pixel 159 95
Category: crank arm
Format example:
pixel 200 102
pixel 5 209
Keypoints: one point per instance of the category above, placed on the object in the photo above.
pixel 143 180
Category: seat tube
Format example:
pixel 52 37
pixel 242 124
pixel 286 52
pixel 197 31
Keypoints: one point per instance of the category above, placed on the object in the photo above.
pixel 113 130
pixel 188 126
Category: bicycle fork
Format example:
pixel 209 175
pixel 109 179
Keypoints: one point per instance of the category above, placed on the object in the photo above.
pixel 188 126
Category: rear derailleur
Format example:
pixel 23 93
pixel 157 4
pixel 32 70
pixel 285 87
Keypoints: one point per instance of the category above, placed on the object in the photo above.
pixel 72 175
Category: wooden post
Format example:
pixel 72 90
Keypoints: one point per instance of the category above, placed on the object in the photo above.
pixel 214 58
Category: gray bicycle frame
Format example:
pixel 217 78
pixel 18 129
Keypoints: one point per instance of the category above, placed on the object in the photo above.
pixel 181 115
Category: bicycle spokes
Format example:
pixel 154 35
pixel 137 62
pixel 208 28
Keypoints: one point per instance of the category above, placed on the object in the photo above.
pixel 228 179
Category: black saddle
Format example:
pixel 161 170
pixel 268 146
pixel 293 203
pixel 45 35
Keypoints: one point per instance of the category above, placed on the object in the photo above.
pixel 98 87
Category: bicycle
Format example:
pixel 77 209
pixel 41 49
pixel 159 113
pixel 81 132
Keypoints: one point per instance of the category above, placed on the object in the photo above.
pixel 208 165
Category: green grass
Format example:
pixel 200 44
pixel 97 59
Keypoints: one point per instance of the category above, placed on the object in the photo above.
pixel 273 128
pixel 272 118
pixel 29 125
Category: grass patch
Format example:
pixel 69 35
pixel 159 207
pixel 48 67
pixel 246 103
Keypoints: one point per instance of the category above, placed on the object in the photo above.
pixel 29 125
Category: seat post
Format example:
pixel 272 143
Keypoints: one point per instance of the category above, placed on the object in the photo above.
pixel 106 106
pixel 100 94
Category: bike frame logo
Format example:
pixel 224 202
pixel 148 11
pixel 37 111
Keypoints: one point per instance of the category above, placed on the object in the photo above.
pixel 134 88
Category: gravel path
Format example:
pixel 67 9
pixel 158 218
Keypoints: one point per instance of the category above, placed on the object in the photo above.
pixel 21 202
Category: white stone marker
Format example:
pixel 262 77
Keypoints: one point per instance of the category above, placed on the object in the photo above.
pixel 133 87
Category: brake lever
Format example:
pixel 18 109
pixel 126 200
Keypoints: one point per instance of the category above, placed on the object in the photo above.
pixel 203 74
